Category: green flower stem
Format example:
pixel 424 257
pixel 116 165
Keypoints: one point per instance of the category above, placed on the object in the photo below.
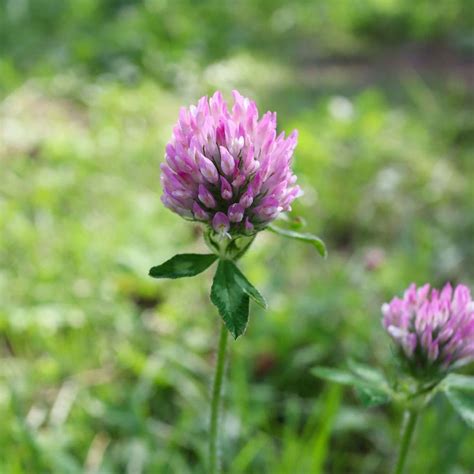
pixel 214 455
pixel 409 423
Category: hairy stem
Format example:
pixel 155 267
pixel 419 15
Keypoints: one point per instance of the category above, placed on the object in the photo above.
pixel 214 455
pixel 409 422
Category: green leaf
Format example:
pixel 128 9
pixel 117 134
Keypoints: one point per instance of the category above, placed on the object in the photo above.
pixel 304 237
pixel 183 265
pixel 293 222
pixel 367 373
pixel 372 396
pixel 463 403
pixel 461 382
pixel 335 375
pixel 371 392
pixel 230 299
pixel 246 286
pixel 372 387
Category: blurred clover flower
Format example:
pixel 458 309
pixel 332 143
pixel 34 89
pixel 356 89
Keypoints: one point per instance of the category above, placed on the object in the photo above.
pixel 434 333
pixel 434 329
pixel 227 168
pixel 230 171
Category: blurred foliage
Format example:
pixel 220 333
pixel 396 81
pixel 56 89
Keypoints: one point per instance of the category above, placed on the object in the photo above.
pixel 132 38
pixel 105 370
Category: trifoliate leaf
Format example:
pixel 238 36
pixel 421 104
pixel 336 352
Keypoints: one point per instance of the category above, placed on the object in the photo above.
pixel 372 391
pixel 304 237
pixel 246 286
pixel 231 300
pixel 183 265
pixel 461 382
pixel 335 375
pixel 371 396
pixel 463 402
pixel 367 373
pixel 293 222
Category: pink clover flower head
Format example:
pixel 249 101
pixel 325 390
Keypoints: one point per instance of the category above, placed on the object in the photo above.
pixel 434 329
pixel 228 167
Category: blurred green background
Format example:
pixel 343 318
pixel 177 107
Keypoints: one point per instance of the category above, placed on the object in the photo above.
pixel 103 370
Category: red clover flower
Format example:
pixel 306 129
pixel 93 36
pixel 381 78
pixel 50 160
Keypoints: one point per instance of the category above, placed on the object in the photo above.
pixel 434 329
pixel 227 168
